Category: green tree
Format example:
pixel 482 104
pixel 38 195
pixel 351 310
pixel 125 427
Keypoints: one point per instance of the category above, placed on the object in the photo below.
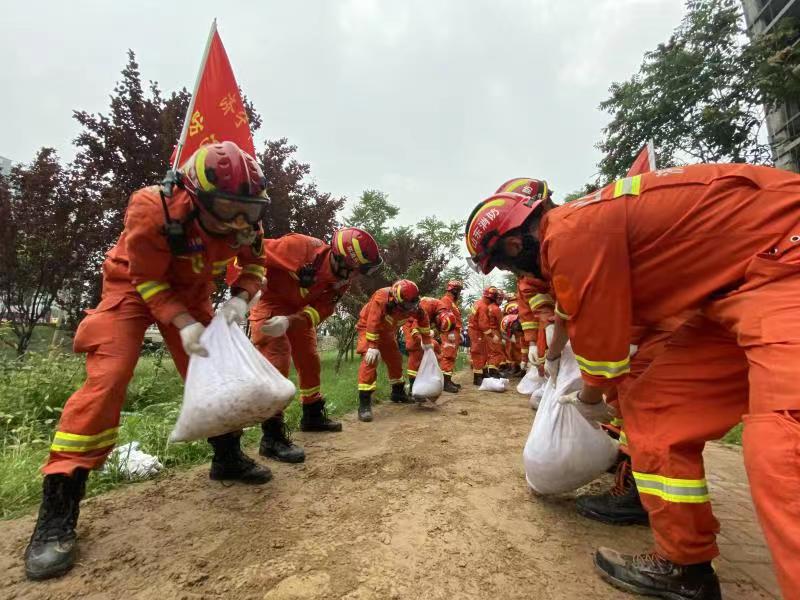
pixel 373 213
pixel 700 96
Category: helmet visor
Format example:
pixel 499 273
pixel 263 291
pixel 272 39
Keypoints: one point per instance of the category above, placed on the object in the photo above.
pixel 228 207
pixel 409 305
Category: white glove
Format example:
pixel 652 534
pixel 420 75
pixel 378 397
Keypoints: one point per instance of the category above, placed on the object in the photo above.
pixel 451 337
pixel 190 338
pixel 275 326
pixel 372 356
pixel 551 367
pixel 523 365
pixel 533 354
pixel 600 412
pixel 427 347
pixel 234 309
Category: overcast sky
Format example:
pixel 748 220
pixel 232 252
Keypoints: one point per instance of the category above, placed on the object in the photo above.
pixel 436 102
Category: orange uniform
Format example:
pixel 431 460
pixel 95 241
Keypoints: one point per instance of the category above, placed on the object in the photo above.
pixel 450 339
pixel 377 327
pixel 488 316
pixel 143 283
pixel 535 312
pixel 283 295
pixel 723 240
pixel 477 345
pixel 413 331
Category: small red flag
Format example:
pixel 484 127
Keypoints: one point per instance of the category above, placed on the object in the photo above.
pixel 216 112
pixel 645 162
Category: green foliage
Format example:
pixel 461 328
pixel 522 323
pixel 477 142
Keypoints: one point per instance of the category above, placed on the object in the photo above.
pixel 734 436
pixel 700 96
pixel 373 213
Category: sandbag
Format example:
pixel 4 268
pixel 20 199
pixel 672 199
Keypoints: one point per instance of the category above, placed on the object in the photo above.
pixel 493 384
pixel 531 382
pixel 564 451
pixel 430 380
pixel 234 387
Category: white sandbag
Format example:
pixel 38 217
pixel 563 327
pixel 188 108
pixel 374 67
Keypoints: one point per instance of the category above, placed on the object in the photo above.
pixel 531 382
pixel 564 451
pixel 494 384
pixel 430 380
pixel 232 388
pixel 132 463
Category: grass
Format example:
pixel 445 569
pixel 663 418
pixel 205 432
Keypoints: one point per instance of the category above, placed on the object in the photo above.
pixel 33 391
pixel 734 436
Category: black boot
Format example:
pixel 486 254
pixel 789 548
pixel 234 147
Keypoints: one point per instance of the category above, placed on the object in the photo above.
pixel 477 378
pixel 449 386
pixel 276 443
pixel 654 575
pixel 399 394
pixel 494 373
pixel 231 464
pixel 365 406
pixel 620 505
pixel 411 381
pixel 315 418
pixel 54 545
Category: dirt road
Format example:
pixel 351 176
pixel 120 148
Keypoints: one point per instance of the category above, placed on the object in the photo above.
pixel 420 504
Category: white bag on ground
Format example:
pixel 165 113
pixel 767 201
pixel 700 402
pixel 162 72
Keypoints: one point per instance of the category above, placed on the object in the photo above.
pixel 494 384
pixel 531 382
pixel 430 380
pixel 132 463
pixel 234 387
pixel 564 451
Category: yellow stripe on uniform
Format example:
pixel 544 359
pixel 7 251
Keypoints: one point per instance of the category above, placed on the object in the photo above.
pixel 309 391
pixel 425 330
pixel 219 266
pixel 359 254
pixel 630 186
pixel 74 442
pixel 256 270
pixel 313 314
pixel 411 373
pixel 600 368
pixel 372 337
pixel 560 312
pixel 528 325
pixel 623 438
pixel 367 387
pixel 395 381
pixel 682 491
pixel 148 289
pixel 539 299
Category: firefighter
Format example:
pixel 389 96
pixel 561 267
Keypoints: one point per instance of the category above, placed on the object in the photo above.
pixel 378 323
pixel 438 315
pixel 477 346
pixel 513 344
pixel 511 328
pixel 487 319
pixel 451 339
pixel 734 243
pixel 305 280
pixel 158 272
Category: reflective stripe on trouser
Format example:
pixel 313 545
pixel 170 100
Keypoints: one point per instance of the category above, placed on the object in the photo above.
pixel 390 356
pixel 447 359
pixel 495 352
pixel 299 346
pixel 477 350
pixel 415 358
pixel 112 338
pixel 700 386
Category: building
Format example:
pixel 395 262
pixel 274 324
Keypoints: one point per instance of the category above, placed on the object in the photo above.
pixel 5 165
pixel 783 124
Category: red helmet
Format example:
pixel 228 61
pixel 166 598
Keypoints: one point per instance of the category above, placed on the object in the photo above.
pixel 492 219
pixel 445 321
pixel 227 181
pixel 511 296
pixel 406 293
pixel 532 188
pixel 454 285
pixel 509 324
pixel 490 293
pixel 511 308
pixel 357 249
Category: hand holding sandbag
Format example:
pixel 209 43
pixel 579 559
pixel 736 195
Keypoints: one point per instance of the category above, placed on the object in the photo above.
pixel 275 326
pixel 190 338
pixel 372 356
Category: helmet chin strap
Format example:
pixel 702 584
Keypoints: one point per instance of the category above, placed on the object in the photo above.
pixel 528 260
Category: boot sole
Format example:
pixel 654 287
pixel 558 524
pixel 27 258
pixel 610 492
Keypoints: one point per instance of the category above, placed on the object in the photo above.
pixel 365 419
pixel 595 516
pixel 315 430
pixel 635 589
pixel 50 574
pixel 274 456
pixel 260 481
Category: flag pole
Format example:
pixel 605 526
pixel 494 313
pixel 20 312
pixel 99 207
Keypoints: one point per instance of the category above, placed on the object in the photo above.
pixel 190 109
pixel 651 154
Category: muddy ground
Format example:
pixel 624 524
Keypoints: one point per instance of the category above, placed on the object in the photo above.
pixel 421 503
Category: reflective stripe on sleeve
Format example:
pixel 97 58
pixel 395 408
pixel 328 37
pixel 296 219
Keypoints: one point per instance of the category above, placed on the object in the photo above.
pixel 74 442
pixel 539 299
pixel 148 289
pixel 256 270
pixel 560 312
pixel 608 369
pixel 313 314
pixel 528 325
pixel 688 491
pixel 425 330
pixel 372 337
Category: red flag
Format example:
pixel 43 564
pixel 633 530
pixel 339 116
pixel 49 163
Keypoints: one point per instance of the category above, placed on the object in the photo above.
pixel 645 162
pixel 216 112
